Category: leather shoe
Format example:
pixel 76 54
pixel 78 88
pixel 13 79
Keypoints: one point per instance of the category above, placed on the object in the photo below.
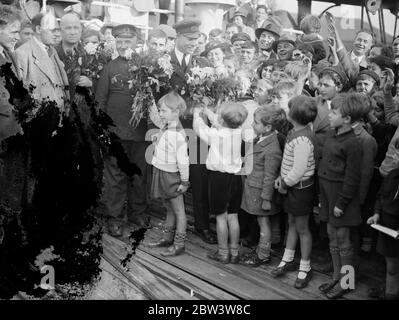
pixel 173 251
pixel 325 287
pixel 279 271
pixel 377 293
pixel 206 236
pixel 115 229
pixel 302 283
pixel 337 292
pixel 254 261
pixel 218 257
pixel 141 222
pixel 235 259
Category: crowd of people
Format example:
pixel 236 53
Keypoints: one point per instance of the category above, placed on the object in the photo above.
pixel 314 136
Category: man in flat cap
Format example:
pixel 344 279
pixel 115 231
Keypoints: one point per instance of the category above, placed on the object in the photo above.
pixel 237 40
pixel 183 60
pixel 115 98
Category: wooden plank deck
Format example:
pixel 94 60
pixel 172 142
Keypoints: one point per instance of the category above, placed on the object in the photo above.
pixel 192 276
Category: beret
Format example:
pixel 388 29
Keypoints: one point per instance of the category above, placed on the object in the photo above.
pixel 371 74
pixel 240 36
pixel 124 30
pixel 188 27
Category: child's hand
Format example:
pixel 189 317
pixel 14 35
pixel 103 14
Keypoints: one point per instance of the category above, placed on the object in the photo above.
pixel 182 189
pixel 373 219
pixel 266 205
pixel 277 183
pixel 338 212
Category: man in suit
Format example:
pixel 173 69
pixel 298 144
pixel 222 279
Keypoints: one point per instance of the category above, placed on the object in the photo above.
pixel 115 98
pixel 39 65
pixel 183 60
pixel 355 60
pixel 9 36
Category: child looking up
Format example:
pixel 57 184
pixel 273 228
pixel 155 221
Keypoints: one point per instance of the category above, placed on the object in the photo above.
pixel 339 175
pixel 171 171
pixel 297 183
pixel 223 164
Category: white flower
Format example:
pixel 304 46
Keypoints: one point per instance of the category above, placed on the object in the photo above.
pixel 128 55
pixel 166 66
pixel 91 48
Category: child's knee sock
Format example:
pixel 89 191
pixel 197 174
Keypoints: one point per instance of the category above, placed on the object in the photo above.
pixel 180 239
pixel 224 251
pixel 304 268
pixel 336 260
pixel 263 249
pixel 233 250
pixel 347 255
pixel 287 257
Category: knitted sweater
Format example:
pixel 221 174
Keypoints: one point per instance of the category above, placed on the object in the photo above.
pixel 298 160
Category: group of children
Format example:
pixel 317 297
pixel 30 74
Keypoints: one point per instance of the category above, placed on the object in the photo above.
pixel 275 176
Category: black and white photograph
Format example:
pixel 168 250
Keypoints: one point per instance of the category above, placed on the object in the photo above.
pixel 197 156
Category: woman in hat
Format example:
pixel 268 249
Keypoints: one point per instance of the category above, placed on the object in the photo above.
pixel 215 53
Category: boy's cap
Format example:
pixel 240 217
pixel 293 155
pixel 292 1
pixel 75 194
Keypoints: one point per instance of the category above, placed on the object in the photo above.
pixel 240 36
pixel 170 32
pixel 124 30
pixel 284 38
pixel 338 71
pixel 248 45
pixel 188 27
pixel 371 74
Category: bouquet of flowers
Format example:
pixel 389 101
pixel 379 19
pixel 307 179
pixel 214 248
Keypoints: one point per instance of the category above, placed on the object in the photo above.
pixel 200 81
pixel 98 55
pixel 207 88
pixel 147 75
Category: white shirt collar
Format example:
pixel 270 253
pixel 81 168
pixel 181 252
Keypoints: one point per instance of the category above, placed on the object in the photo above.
pixel 356 58
pixel 329 104
pixel 179 56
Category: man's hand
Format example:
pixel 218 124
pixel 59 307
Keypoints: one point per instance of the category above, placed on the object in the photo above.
pixel 338 212
pixel 84 82
pixel 373 219
pixel 332 43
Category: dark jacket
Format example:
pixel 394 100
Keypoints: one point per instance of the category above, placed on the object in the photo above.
pixel 340 162
pixel 369 152
pixel 115 98
pixel 178 82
